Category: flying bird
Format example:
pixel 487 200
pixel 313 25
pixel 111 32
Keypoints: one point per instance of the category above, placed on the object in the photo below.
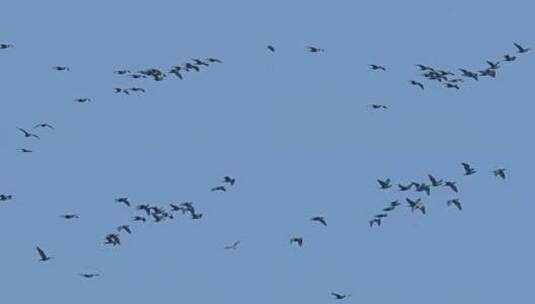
pixel 23 150
pixel 123 200
pixel 388 209
pixel 378 106
pixel 488 72
pixel 139 219
pixel 125 228
pixel 455 202
pixel 89 275
pixel 119 90
pixel 416 83
pixel 28 134
pixel 314 49
pixel 377 67
pixel 4 197
pixel 137 90
pixel 44 125
pixel 298 241
pixel 509 58
pixel 404 188
pixel 42 255
pixel 521 49
pixel 339 296
pixel 214 60
pixel 382 215
pixel 417 204
pixel 493 65
pixel 219 188
pixel 385 184
pixel 468 170
pixel 196 216
pixel 452 185
pixel 6 46
pixel 233 246
pixel 70 216
pixel 319 219
pixel 499 172
pixel 82 100
pixel 469 74
pixel 200 62
pixel 424 68
pixel 61 68
pixel 229 180
pixel 376 221
pixel 271 48
pixel 435 182
pixel 452 86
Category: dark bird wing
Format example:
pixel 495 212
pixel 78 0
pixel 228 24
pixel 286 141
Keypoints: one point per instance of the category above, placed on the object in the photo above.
pixel 41 253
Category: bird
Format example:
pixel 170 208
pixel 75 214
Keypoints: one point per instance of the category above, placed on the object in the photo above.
pixel 70 216
pixel 416 83
pixel 139 219
pixel 388 209
pixel 233 246
pixel 229 180
pixel 376 221
pixel 82 100
pixel 493 65
pixel 395 204
pixel 200 62
pixel 385 184
pixel 189 66
pixel 144 207
pixel 435 182
pixel 488 72
pixel 122 72
pixel 417 204
pixel 61 68
pixel 404 188
pixel 339 296
pixel 196 216
pixel 378 106
pixel 382 215
pixel 469 74
pixel 297 240
pixel 4 197
pixel 455 202
pixel 319 219
pixel 125 228
pixel 271 48
pixel 521 49
pixel 468 170
pixel 137 90
pixel 452 86
pixel 119 90
pixel 23 150
pixel 44 125
pixel 42 255
pixel 6 46
pixel 28 134
pixel 176 70
pixel 313 49
pixel 123 200
pixel 424 68
pixel 499 172
pixel 113 239
pixel 214 60
pixel 509 58
pixel 89 275
pixel 219 188
pixel 376 67
pixel 452 185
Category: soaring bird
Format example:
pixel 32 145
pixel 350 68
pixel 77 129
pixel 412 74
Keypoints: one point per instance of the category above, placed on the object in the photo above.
pixel 121 72
pixel 229 180
pixel 176 70
pixel 521 49
pixel 423 187
pixel 395 204
pixel 452 185
pixel 120 90
pixel 378 106
pixel 28 134
pixel 376 67
pixel 189 66
pixel 339 296
pixel 417 204
pixel 404 188
pixel 469 74
pixel 376 221
pixel 82 100
pixel 435 182
pixel 6 46
pixel 144 207
pixel 452 86
pixel 199 62
pixel 125 228
pixel 416 83
pixel 42 255
pixel 382 215
pixel 424 68
pixel 123 200
pixel 233 246
pixel 44 125
pixel 70 216
pixel 139 219
pixel 493 65
pixel 219 188
pixel 89 275
pixel 214 60
pixel 388 209
pixel 4 197
pixel 297 240
pixel 468 170
pixel 500 172
pixel 196 216
pixel 509 58
pixel 113 239
pixel 319 219
pixel 488 72
pixel 23 150
pixel 314 49
pixel 137 90
pixel 61 68
pixel 455 202
pixel 271 48
pixel 385 184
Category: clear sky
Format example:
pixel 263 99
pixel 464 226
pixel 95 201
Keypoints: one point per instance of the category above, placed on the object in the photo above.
pixel 293 128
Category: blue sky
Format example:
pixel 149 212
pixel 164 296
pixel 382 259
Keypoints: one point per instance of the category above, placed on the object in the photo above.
pixel 293 128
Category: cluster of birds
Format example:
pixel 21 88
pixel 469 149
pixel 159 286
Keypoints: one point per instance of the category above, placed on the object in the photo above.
pixel 423 187
pixel 28 134
pixel 227 180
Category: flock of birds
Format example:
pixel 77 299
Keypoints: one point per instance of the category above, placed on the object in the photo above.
pixel 159 214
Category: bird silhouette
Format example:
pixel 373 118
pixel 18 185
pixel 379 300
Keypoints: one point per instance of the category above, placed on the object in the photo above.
pixel 416 83
pixel 42 255
pixel 137 90
pixel 297 240
pixel 123 200
pixel 4 197
pixel 388 209
pixel 404 188
pixel 44 125
pixel 382 215
pixel 455 202
pixel 82 100
pixel 452 185
pixel 229 180
pixel 200 62
pixel 196 216
pixel 113 239
pixel 488 72
pixel 125 228
pixel 339 296
pixel 176 71
pixel 385 184
pixel 120 90
pixel 417 204
pixel 219 188
pixel 509 58
pixel 376 221
pixel 271 48
pixel 6 46
pixel 468 170
pixel 469 74
pixel 424 68
pixel 233 246
pixel 313 49
pixel 28 134
pixel 521 49
pixel 139 219
pixel 493 65
pixel 376 67
pixel 319 219
pixel 89 275
pixel 214 60
pixel 23 150
pixel 70 216
pixel 122 72
pixel 378 106
pixel 435 182
pixel 500 172
pixel 452 86
pixel 61 68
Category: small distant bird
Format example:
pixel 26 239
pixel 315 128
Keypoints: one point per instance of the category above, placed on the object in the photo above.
pixel 468 170
pixel 219 188
pixel 196 216
pixel 200 62
pixel 456 80
pixel 339 296
pixel 378 106
pixel 382 215
pixel 120 90
pixel 44 125
pixel 297 240
pixel 376 221
pixel 417 204
pixel 395 204
pixel 424 68
pixel 499 172
pixel 122 72
pixel 139 219
pixel 271 48
pixel 493 65
pixel 113 239
pixel 423 187
pixel 137 90
pixel 385 184
pixel 388 209
pixel 190 66
pixel 452 185
pixel 176 70
pixel 89 275
pixel 82 100
pixel 6 46
pixel 455 202
pixel 70 216
pixel 125 228
pixel 452 86
pixel 416 83
pixel 4 197
pixel 488 72
pixel 319 219
pixel 23 150
pixel 233 246
pixel 435 182
pixel 42 255
pixel 137 76
pixel 469 74
pixel 123 200
pixel 145 208
pixel 214 60
pixel 314 49
pixel 229 180
pixel 61 68
pixel 509 58
pixel 404 188
pixel 27 134
pixel 377 67
pixel 521 49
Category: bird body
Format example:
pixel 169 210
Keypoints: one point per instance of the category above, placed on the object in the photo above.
pixel 297 240
pixel 319 219
pixel 384 184
pixel 42 255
